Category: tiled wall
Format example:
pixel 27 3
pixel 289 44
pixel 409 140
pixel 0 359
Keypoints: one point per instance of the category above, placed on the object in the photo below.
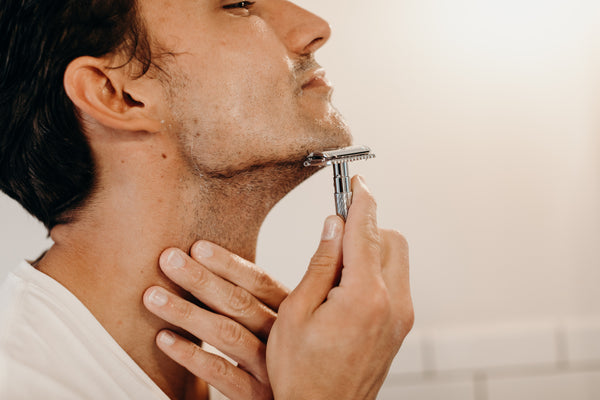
pixel 550 360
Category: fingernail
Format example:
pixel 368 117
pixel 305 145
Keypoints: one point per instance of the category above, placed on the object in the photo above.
pixel 203 250
pixel 166 338
pixel 330 230
pixel 158 298
pixel 175 259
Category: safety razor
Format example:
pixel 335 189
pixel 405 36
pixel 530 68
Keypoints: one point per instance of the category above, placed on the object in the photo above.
pixel 339 159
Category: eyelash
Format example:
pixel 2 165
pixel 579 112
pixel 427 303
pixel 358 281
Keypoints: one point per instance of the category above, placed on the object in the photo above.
pixel 241 4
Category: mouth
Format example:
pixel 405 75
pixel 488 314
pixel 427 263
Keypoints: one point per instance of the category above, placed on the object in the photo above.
pixel 317 79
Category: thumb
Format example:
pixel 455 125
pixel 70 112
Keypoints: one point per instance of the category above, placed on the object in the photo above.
pixel 324 269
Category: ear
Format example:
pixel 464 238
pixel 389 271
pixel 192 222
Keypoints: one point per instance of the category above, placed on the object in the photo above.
pixel 110 96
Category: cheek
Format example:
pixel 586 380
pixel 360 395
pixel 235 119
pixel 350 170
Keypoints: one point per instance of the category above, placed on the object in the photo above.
pixel 244 92
pixel 231 120
pixel 249 72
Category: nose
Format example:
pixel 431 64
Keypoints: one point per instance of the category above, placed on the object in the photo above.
pixel 302 31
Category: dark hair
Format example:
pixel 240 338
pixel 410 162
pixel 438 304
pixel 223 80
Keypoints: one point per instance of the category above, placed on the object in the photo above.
pixel 45 160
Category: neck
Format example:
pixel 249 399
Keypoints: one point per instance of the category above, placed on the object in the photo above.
pixel 109 256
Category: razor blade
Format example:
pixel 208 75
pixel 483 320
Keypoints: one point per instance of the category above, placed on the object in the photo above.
pixel 339 159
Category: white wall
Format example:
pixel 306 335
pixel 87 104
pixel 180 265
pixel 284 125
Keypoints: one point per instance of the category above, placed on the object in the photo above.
pixel 483 115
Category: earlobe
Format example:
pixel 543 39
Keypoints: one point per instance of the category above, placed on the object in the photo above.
pixel 99 92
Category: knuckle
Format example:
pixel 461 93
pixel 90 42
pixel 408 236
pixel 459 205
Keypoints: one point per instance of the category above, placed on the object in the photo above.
pixel 396 238
pixel 230 332
pixel 372 202
pixel 371 224
pixel 239 301
pixel 373 244
pixel 189 353
pixel 232 262
pixel 404 318
pixel 372 234
pixel 217 367
pixel 403 325
pixel 199 277
pixel 408 320
pixel 184 311
pixel 322 261
pixel 407 314
pixel 262 281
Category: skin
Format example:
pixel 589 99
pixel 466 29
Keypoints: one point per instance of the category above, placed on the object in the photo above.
pixel 155 189
pixel 201 148
pixel 335 335
pixel 236 82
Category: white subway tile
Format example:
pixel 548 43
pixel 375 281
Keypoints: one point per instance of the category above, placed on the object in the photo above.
pixel 559 386
pixel 482 347
pixel 452 390
pixel 583 340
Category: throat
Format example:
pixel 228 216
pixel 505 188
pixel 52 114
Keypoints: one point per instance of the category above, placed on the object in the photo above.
pixel 238 201
pixel 109 256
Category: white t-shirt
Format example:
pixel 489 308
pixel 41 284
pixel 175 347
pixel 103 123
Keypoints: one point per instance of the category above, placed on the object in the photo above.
pixel 52 347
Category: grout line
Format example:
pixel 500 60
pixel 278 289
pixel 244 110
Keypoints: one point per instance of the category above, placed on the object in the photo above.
pixel 494 373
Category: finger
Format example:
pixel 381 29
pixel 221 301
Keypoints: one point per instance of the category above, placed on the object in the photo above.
pixel 394 254
pixel 221 332
pixel 218 294
pixel 324 269
pixel 395 263
pixel 362 250
pixel 240 272
pixel 231 381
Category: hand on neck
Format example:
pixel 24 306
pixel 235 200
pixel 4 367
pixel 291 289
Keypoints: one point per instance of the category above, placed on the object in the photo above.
pixel 109 255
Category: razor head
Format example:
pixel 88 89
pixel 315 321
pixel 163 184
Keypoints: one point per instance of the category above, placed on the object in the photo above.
pixel 338 156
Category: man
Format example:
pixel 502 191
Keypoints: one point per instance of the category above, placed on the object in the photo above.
pixel 132 127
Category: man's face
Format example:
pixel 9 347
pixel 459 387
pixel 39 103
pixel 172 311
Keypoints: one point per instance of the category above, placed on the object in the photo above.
pixel 243 87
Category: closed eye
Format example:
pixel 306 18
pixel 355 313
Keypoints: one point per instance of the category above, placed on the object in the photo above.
pixel 241 4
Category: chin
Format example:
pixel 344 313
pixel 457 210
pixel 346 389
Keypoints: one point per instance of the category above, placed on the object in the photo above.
pixel 336 134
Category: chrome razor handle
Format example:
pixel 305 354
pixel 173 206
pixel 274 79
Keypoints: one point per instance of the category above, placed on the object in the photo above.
pixel 343 189
pixel 343 201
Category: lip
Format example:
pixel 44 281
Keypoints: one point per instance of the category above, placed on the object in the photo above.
pixel 317 79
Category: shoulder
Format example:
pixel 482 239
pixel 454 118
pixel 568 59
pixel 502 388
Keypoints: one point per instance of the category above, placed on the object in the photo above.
pixel 51 346
pixel 23 352
pixel 40 356
pixel 12 288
